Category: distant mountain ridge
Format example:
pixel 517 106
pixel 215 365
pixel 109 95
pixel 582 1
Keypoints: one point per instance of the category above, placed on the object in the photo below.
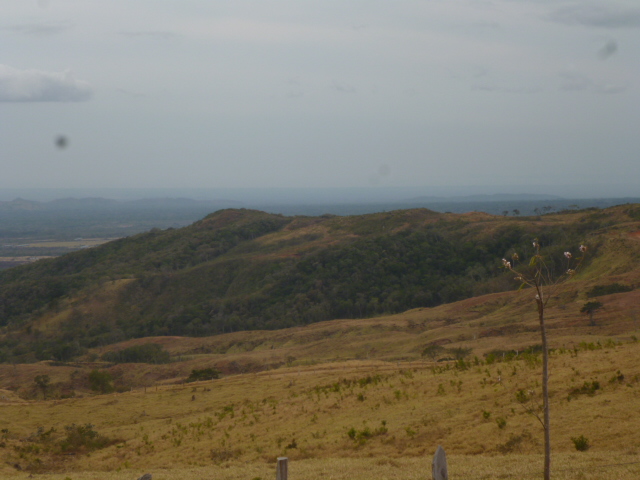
pixel 496 197
pixel 99 203
pixel 19 204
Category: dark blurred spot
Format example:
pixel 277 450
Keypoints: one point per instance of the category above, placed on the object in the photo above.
pixel 61 141
pixel 609 49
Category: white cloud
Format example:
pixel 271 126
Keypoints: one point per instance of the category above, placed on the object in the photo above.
pixel 37 86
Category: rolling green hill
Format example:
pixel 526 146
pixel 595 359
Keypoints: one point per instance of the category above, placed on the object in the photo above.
pixel 246 270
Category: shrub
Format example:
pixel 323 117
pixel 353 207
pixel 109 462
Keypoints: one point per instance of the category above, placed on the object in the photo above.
pixel 522 396
pixel 514 443
pixel 366 433
pixel 617 378
pixel 147 353
pixel 83 437
pixel 203 374
pixel 433 351
pixel 459 353
pixel 219 455
pixel 587 388
pixel 101 381
pixel 501 422
pixel 581 443
pixel 599 290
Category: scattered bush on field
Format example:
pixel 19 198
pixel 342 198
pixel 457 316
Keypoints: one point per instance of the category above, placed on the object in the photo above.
pixel 361 436
pixel 581 443
pixel 587 388
pixel 83 438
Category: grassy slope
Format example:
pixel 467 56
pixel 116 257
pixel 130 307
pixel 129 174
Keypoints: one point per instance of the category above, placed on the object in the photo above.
pixel 254 418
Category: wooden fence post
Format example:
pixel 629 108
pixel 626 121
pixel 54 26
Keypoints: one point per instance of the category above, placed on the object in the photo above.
pixel 439 465
pixel 282 469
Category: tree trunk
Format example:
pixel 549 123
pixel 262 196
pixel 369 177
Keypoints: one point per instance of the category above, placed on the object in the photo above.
pixel 545 392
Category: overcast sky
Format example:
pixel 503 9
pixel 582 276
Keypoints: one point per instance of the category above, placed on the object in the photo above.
pixel 318 93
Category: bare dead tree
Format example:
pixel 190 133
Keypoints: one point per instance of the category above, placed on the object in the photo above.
pixel 541 278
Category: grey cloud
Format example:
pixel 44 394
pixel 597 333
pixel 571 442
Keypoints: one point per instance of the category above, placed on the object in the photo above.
pixel 486 26
pixel 163 35
pixel 343 88
pixel 609 88
pixel 37 86
pixel 604 16
pixel 506 89
pixel 574 82
pixel 609 49
pixel 39 29
pixel 129 93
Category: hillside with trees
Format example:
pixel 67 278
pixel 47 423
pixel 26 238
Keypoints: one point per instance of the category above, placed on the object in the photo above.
pixel 247 270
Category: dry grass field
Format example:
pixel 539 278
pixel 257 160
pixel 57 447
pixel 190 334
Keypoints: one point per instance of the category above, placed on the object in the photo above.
pixel 355 419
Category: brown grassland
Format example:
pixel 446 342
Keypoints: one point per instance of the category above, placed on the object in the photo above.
pixel 354 399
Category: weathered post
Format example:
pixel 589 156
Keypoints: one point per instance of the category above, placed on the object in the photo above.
pixel 439 465
pixel 282 469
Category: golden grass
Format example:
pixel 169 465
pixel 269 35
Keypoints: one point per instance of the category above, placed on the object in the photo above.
pixel 238 425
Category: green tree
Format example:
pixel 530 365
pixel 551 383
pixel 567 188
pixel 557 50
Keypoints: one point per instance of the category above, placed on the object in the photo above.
pixel 101 381
pixel 43 383
pixel 433 351
pixel 590 308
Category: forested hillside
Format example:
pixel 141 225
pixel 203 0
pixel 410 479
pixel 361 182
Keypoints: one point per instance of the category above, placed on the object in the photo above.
pixel 245 269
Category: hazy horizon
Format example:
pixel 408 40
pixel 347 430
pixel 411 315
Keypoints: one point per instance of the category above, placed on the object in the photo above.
pixel 334 195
